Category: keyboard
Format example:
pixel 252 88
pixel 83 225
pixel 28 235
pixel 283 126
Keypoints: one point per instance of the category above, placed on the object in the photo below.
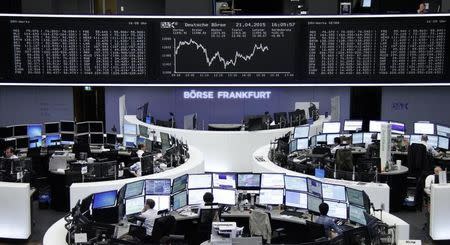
pixel 292 213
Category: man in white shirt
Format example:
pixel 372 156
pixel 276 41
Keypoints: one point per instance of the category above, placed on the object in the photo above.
pixel 430 149
pixel 337 142
pixel 136 168
pixel 141 150
pixel 9 153
pixel 430 179
pixel 150 215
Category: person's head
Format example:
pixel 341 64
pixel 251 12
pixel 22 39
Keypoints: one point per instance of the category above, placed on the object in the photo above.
pixel 9 152
pixel 437 170
pixel 149 204
pixel 323 208
pixel 424 138
pixel 208 197
pixel 337 141
pixel 141 147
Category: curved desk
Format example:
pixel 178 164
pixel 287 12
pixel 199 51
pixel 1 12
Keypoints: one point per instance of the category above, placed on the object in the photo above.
pixel 396 179
pixel 195 164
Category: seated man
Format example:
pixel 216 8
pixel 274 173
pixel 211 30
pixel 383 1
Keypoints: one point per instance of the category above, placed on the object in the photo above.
pixel 327 222
pixel 430 149
pixel 430 179
pixel 373 150
pixel 150 215
pixel 9 153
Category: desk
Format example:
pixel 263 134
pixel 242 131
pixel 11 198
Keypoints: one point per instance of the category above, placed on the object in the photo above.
pixel 225 127
pixel 56 234
pixel 440 212
pixel 401 227
pixel 396 180
pixel 15 210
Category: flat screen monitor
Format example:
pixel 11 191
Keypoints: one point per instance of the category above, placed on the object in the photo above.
pixel 302 144
pixel 333 192
pixel 52 139
pixel 143 131
pixel 165 140
pixel 443 142
pixel 224 180
pixel 331 137
pixel 337 209
pixel 161 202
pixel 295 183
pixel 415 139
pixel 271 196
pixel 442 130
pixel 301 132
pixel 375 126
pixel 96 139
pixel 180 200
pixel 157 187
pixel 35 142
pixel 51 128
pixel 134 205
pixel 319 172
pixel 67 126
pixel 129 141
pixel 313 141
pixel 248 181
pixel 397 127
pixel 104 199
pixel 111 139
pixel 67 138
pixel 272 180
pixel 20 130
pixel 292 146
pixel 129 129
pixel 433 141
pixel 321 138
pixel 313 203
pixel 196 196
pixel 356 215
pixel 353 125
pixel 355 197
pixel 331 128
pixel 224 196
pixel 22 143
pixel 96 127
pixel 357 138
pixel 82 127
pixel 196 181
pixel 314 186
pixel 134 189
pixel 179 183
pixel 423 128
pixel 367 138
pixel 366 3
pixel 296 199
pixel 6 132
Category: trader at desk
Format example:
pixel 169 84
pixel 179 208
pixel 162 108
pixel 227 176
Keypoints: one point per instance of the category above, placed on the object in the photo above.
pixel 430 179
pixel 430 149
pixel 9 153
pixel 150 215
pixel 331 228
pixel 136 168
pixel 373 150
pixel 337 142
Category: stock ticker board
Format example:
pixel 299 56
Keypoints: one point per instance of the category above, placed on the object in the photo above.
pixel 224 50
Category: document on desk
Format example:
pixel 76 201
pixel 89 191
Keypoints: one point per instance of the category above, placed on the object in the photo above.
pixel 121 230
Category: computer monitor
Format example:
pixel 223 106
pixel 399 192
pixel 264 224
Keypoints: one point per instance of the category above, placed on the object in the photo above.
pixel 134 189
pixel 196 181
pixel 248 181
pixel 397 127
pixel 357 138
pixel 295 183
pixel 356 215
pixel 129 129
pixel 313 141
pixel 271 196
pixel 161 202
pixel 104 199
pixel 279 117
pixel 353 125
pixel 292 146
pixel 20 130
pixel 331 137
pixel 143 131
pixel 6 132
pixel 129 141
pixel 35 142
pixel 423 128
pixel 415 139
pixel 96 127
pixel 337 209
pixel 313 203
pixel 224 180
pixel 296 199
pixel 134 205
pixel 111 139
pixel 67 138
pixel 165 140
pixel 157 187
pixel 51 127
pixel 301 132
pixel 96 139
pixel 224 196
pixel 319 173
pixel 180 200
pixel 366 3
pixel 52 139
pixel 331 128
pixel 22 143
pixel 442 130
pixel 179 183
pixel 67 126
pixel 355 197
pixel 443 142
pixel 375 126
pixel 314 186
pixel 367 138
pixel 432 141
pixel 272 180
pixel 333 192
pixel 321 138
pixel 302 144
pixel 196 196
pixel 82 127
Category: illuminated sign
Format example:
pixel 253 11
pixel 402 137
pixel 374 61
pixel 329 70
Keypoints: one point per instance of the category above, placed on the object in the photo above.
pixel 226 95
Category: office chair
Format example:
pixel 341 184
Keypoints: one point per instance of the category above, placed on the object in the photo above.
pixel 419 165
pixel 315 231
pixel 147 164
pixel 206 217
pixel 344 160
pixel 357 236
pixel 163 231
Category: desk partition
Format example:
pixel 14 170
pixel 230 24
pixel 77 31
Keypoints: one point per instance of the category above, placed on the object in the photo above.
pixel 15 210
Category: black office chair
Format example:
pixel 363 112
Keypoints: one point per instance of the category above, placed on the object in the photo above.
pixel 419 165
pixel 204 226
pixel 163 231
pixel 344 160
pixel 147 164
pixel 316 232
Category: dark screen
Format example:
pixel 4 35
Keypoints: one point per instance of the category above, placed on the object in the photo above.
pixel 97 139
pixel 111 139
pixel 96 127
pixel 22 143
pixel 67 126
pixel 6 132
pixel 20 130
pixel 51 128
pixel 67 137
pixel 82 128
